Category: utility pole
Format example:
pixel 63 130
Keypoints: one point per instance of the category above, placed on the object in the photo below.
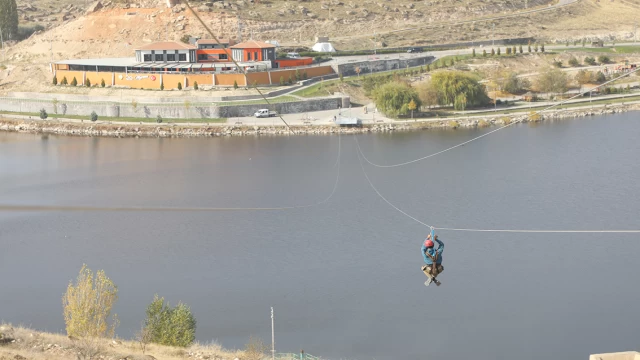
pixel 273 338
pixel 375 43
pixel 493 35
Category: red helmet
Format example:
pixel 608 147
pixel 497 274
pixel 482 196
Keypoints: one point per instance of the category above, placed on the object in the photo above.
pixel 428 243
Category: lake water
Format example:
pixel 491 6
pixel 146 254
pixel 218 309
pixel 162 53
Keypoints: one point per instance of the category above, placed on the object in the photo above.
pixel 343 277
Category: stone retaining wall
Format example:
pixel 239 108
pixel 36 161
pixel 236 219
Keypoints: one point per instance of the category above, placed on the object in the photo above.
pixel 167 110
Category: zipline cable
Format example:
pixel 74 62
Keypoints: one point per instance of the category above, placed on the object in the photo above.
pixel 492 131
pixel 480 230
pixel 22 208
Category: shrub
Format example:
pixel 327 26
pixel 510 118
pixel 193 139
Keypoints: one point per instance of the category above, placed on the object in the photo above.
pixel 290 79
pixel 600 77
pixel 529 48
pixel 74 82
pixel 298 75
pixel 573 61
pixel 520 49
pixel 255 349
pixel 542 48
pixel 94 116
pixel 453 124
pixel 162 85
pixel 87 83
pixel 557 63
pixel 493 52
pixel 185 38
pixel 508 51
pixel 43 114
pixel 170 326
pixel 498 52
pixel 179 85
pixel 535 116
pixel 473 53
pixel 87 305
pixel 102 83
pixel 589 60
pixel 305 76
pixel 604 59
pixel 64 81
pixel 55 80
pixel 282 80
pixel 483 123
pixel 195 85
pixel 159 119
pixel 25 32
pixel 484 53
pixel 235 84
pixel 340 76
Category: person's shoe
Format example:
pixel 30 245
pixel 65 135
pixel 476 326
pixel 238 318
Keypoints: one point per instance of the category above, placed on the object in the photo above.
pixel 428 282
pixel 438 283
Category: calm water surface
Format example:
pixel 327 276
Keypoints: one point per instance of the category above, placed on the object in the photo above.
pixel 344 277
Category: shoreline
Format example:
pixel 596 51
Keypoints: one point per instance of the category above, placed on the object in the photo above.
pixel 121 129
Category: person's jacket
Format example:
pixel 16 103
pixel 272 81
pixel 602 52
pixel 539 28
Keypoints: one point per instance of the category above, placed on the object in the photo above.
pixel 432 251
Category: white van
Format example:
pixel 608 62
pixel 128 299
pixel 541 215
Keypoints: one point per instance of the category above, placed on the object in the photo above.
pixel 293 55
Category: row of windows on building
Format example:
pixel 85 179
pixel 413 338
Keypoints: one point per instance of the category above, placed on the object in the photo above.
pixel 160 57
pixel 213 57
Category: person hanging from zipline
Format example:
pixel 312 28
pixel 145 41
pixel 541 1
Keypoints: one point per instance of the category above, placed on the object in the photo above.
pixel 432 259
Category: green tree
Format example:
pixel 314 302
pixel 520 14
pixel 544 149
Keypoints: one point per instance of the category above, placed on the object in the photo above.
pixel 529 48
pixel 87 83
pixel 589 60
pixel 604 59
pixel 94 116
pixel 448 84
pixel 341 77
pixel 195 85
pixel 179 85
pixel 102 84
pixel 64 81
pixel 535 47
pixel 74 82
pixel 552 81
pixel 159 119
pixel 513 50
pixel 484 53
pixel 498 52
pixel 281 82
pixel 87 305
pixel 170 326
pixel 393 98
pixel 493 52
pixel 473 53
pixel 573 61
pixel 600 77
pixel 508 51
pixel 55 80
pixel 428 67
pixel 161 85
pixel 584 42
pixel 520 49
pixel 542 48
pixel 9 19
pixel 305 76
pixel 43 114
pixel 235 84
pixel 428 95
pixel 297 75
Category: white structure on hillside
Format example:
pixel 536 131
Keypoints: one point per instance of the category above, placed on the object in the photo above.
pixel 323 47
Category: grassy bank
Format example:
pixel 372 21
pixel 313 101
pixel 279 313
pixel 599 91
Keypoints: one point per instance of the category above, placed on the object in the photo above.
pixel 20 343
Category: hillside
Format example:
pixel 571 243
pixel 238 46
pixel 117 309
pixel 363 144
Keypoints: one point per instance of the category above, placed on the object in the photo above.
pixel 115 29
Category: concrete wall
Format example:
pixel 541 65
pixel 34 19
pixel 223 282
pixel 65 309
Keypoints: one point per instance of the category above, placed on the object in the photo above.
pixel 367 66
pixel 166 110
pixel 282 108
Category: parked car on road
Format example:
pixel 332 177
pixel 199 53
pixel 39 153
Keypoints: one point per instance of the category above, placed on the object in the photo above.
pixel 414 50
pixel 265 113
